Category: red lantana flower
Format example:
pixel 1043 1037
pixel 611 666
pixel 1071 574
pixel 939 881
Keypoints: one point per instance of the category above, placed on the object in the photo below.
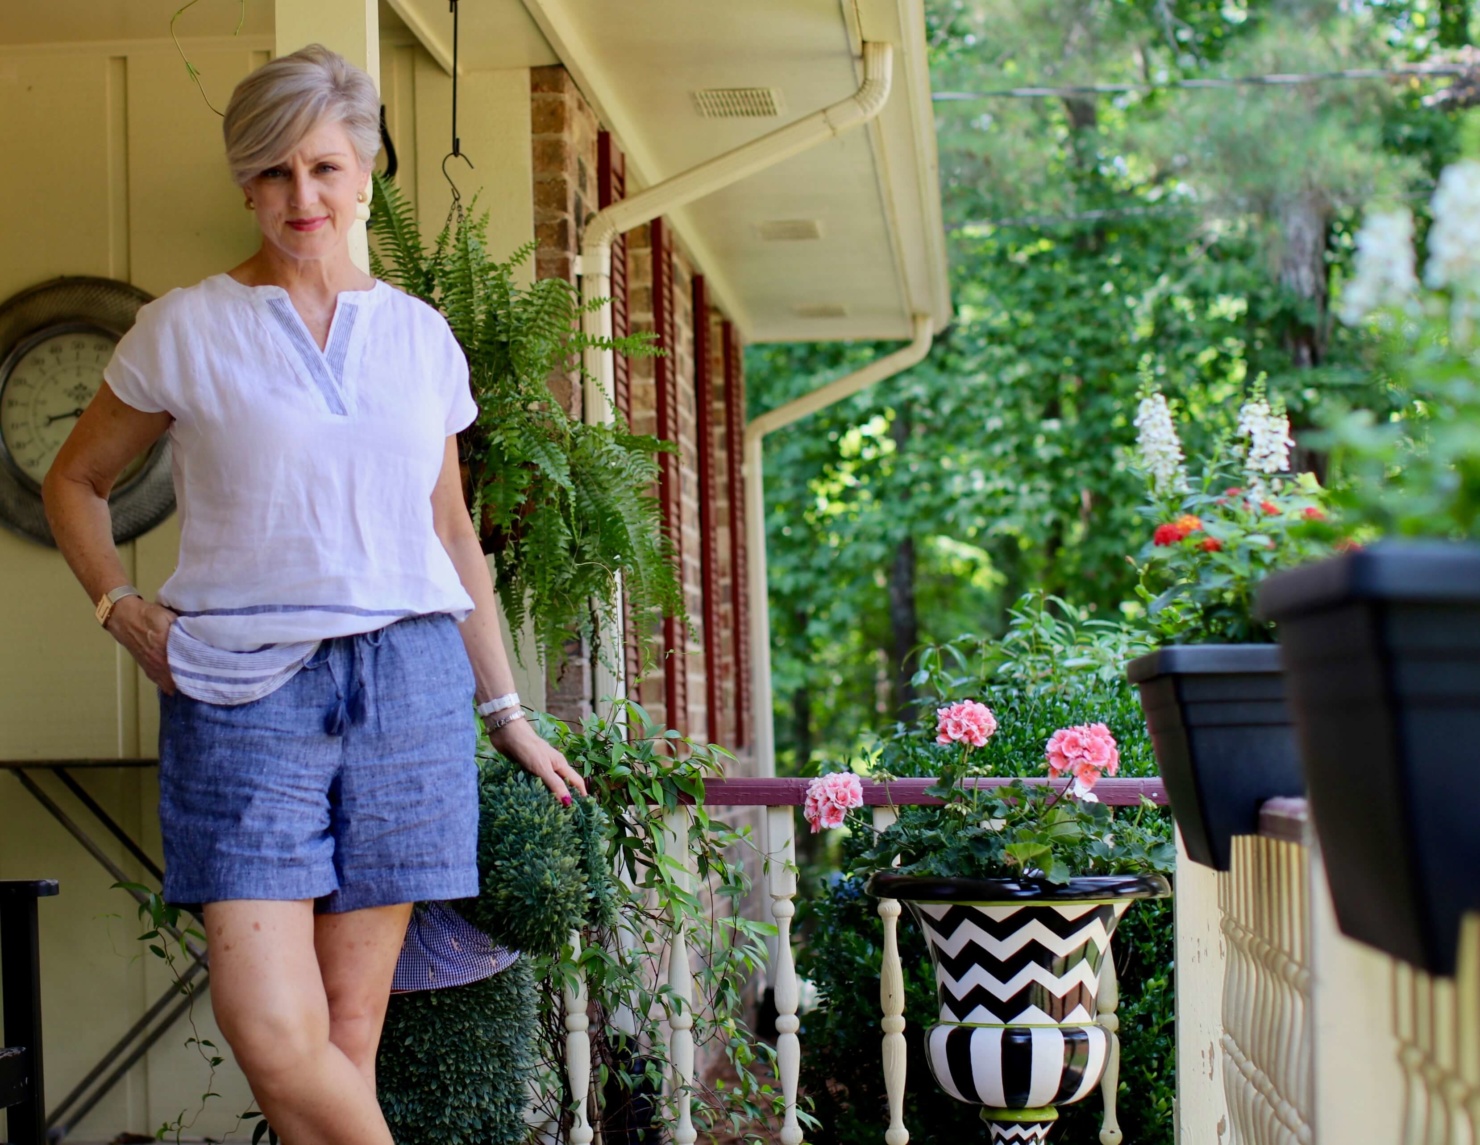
pixel 1177 531
pixel 1311 513
pixel 1270 508
pixel 1210 545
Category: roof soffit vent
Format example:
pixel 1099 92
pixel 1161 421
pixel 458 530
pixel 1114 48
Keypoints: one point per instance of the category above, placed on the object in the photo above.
pixel 820 310
pixel 738 102
pixel 789 230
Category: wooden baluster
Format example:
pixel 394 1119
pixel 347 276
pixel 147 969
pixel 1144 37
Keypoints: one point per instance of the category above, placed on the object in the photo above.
pixel 781 864
pixel 578 1049
pixel 891 998
pixel 681 986
pixel 1107 1017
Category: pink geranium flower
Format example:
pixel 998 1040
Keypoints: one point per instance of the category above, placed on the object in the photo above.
pixel 965 721
pixel 1085 751
pixel 830 798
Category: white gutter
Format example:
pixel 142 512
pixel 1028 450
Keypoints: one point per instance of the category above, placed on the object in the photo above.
pixel 712 175
pixel 764 729
pixel 708 177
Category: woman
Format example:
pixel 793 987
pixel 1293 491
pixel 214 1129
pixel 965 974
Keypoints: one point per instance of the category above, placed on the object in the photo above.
pixel 331 615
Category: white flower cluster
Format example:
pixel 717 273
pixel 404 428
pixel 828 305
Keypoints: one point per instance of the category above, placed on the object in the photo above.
pixel 1268 431
pixel 1385 275
pixel 1454 240
pixel 1161 449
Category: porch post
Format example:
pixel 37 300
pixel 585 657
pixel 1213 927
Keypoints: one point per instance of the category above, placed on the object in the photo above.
pixel 351 28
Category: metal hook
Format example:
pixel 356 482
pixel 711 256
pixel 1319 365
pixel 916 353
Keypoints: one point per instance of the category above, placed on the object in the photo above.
pixel 456 196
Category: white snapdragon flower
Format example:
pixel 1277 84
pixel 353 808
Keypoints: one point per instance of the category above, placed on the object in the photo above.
pixel 1161 449
pixel 1454 240
pixel 1385 274
pixel 1268 431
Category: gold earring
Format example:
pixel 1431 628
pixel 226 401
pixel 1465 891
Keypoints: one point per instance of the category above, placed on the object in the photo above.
pixel 251 206
pixel 362 197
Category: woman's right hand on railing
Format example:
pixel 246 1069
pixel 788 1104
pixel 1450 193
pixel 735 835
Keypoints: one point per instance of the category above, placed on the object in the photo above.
pixel 143 628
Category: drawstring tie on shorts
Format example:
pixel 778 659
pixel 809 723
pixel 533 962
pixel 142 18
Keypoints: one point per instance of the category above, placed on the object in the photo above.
pixel 344 712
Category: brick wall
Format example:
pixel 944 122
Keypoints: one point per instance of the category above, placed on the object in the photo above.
pixel 573 172
pixel 563 141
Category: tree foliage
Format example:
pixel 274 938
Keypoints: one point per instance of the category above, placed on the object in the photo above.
pixel 1192 237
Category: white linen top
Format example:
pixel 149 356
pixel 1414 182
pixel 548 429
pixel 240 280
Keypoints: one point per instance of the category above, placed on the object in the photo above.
pixel 303 477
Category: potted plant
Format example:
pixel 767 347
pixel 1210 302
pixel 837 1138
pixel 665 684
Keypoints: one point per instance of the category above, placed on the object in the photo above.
pixel 1018 890
pixel 1214 692
pixel 1382 643
pixel 565 508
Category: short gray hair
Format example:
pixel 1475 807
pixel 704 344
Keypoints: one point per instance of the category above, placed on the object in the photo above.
pixel 282 101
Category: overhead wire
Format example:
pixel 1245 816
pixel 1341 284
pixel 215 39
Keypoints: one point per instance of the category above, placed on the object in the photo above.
pixel 1112 213
pixel 1276 79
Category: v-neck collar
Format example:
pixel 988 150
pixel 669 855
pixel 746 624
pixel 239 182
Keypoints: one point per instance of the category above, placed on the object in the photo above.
pixel 324 370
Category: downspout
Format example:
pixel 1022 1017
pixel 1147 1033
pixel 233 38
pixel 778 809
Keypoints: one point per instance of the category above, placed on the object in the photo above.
pixel 764 729
pixel 712 175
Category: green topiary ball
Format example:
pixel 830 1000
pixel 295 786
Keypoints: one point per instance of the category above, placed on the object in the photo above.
pixel 531 860
pixel 454 1064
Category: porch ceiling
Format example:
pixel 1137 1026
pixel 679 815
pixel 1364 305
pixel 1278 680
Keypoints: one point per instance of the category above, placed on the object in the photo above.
pixel 873 193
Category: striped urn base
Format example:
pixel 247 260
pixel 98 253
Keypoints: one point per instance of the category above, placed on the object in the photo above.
pixel 1017 1067
pixel 1030 1126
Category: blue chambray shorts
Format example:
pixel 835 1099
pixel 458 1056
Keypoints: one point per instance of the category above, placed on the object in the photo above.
pixel 264 801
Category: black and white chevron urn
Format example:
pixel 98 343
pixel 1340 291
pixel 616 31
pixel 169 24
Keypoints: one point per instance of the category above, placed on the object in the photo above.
pixel 1017 976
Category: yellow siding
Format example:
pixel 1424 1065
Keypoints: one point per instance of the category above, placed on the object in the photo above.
pixel 114 168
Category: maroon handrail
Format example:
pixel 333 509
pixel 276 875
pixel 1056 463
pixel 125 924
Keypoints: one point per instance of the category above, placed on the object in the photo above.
pixel 906 792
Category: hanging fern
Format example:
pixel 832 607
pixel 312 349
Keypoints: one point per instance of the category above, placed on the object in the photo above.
pixel 566 509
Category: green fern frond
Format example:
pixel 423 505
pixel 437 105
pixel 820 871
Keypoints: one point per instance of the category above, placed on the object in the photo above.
pixel 567 509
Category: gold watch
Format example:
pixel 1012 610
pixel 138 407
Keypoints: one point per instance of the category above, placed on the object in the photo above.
pixel 107 601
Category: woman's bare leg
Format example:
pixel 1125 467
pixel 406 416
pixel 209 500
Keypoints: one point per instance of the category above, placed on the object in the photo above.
pixel 270 1000
pixel 357 955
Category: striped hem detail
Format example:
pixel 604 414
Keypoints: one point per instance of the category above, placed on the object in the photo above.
pixel 216 676
pixel 265 609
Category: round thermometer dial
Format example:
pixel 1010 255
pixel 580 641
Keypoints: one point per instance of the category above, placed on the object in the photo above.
pixel 44 387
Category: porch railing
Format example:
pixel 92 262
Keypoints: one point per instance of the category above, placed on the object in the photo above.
pixel 1288 1032
pixel 779 800
pixel 774 801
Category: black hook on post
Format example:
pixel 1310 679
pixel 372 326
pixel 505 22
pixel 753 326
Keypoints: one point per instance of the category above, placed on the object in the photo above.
pixel 392 164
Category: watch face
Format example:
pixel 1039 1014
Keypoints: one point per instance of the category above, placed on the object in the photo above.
pixel 45 384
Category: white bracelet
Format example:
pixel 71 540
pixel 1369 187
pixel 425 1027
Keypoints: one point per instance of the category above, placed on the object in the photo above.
pixel 505 721
pixel 498 704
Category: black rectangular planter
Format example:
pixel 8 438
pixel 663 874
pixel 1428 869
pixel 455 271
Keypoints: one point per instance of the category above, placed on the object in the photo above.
pixel 1223 738
pixel 1382 648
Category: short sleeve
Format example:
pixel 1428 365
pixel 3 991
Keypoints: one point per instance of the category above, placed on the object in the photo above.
pixel 462 410
pixel 144 363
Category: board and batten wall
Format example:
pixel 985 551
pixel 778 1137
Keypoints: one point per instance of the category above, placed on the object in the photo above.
pixel 113 167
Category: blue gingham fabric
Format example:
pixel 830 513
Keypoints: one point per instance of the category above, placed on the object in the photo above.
pixel 444 949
